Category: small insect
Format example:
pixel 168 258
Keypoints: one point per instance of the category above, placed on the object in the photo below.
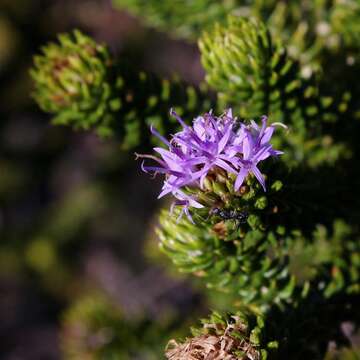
pixel 240 217
pixel 230 319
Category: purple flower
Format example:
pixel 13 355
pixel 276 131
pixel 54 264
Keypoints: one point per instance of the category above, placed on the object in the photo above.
pixel 255 148
pixel 210 143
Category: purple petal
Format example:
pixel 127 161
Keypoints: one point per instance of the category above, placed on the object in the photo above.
pixel 157 134
pixel 195 161
pixel 170 158
pixel 224 140
pixel 267 135
pixel 248 145
pixel 203 176
pixel 156 169
pixel 254 125
pixel 229 113
pixel 179 119
pixel 262 154
pixel 225 166
pixel 187 213
pixel 240 178
pixel 164 192
pixel 276 152
pixel 264 120
pixel 259 176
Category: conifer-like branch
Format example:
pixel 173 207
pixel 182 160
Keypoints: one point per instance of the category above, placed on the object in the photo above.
pixel 81 85
pixel 254 74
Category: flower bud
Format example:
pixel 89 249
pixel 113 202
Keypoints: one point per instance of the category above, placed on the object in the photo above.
pixel 72 81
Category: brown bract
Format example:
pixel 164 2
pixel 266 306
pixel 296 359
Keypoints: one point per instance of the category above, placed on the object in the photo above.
pixel 220 229
pixel 213 347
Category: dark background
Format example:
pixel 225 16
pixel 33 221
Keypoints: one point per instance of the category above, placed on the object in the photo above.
pixel 75 212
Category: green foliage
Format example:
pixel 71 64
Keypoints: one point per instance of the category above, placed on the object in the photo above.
pixel 295 332
pixel 344 354
pixel 185 18
pixel 95 328
pixel 79 82
pixel 254 75
pixel 228 255
pixel 72 80
pixel 234 336
pixel 295 256
pixel 309 28
pixel 146 100
pixel 344 18
pixel 265 260
pixel 314 328
pixel 330 261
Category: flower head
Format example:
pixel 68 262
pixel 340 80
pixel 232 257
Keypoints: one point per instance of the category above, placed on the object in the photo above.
pixel 210 144
pixel 220 337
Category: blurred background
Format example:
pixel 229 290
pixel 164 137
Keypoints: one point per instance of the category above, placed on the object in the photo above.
pixel 76 214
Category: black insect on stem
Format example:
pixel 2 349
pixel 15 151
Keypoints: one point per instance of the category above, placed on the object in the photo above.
pixel 230 319
pixel 240 217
